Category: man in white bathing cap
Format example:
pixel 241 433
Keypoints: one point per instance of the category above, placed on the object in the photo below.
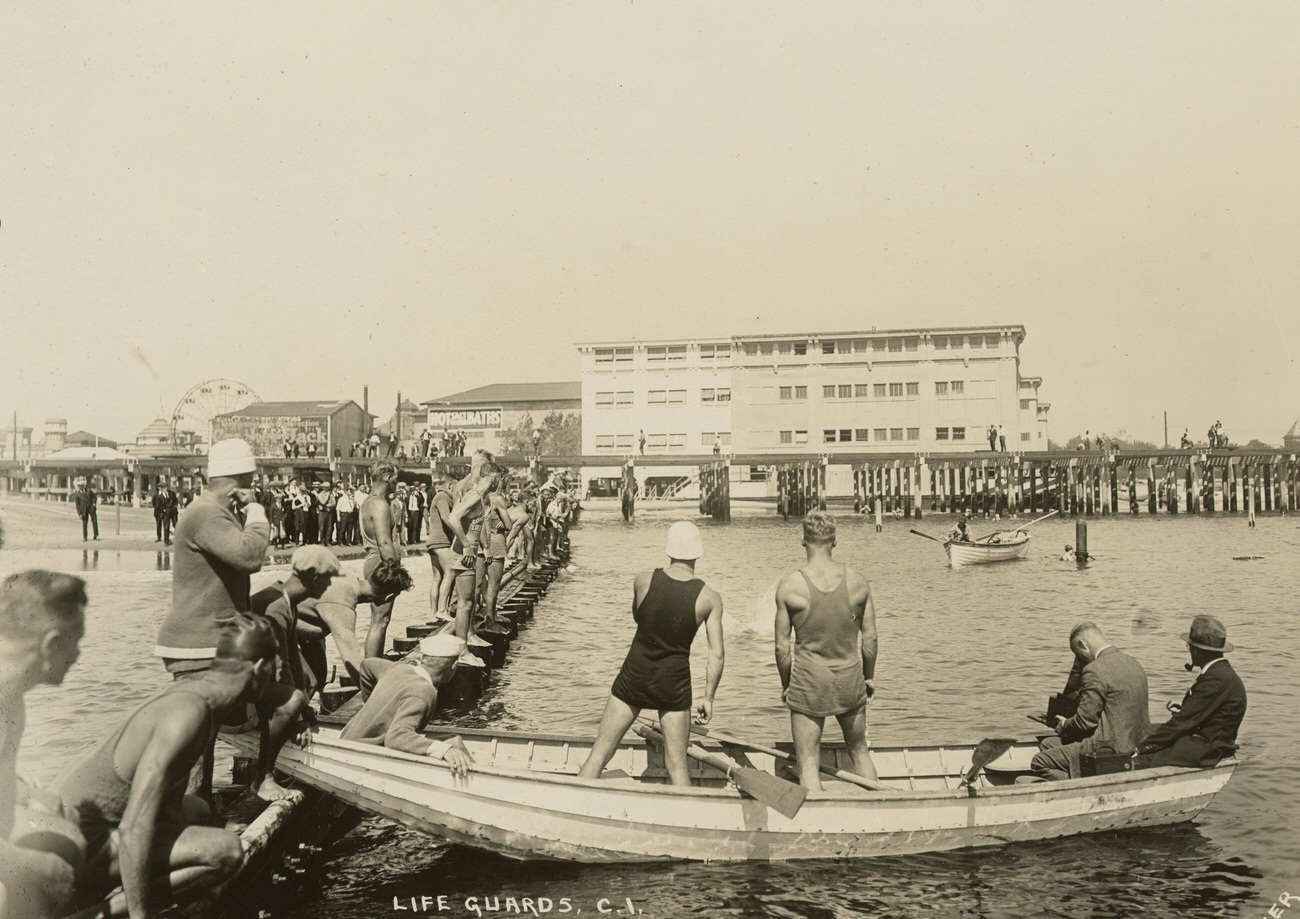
pixel 400 699
pixel 669 605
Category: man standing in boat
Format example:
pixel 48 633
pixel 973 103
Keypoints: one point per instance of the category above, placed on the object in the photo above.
pixel 1112 707
pixel 829 667
pixel 669 605
pixel 400 699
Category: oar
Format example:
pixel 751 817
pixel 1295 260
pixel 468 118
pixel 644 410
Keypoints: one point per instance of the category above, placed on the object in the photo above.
pixel 926 535
pixel 790 758
pixel 1036 519
pixel 986 751
pixel 782 796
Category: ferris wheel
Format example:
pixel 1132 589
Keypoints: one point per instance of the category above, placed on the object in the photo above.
pixel 205 401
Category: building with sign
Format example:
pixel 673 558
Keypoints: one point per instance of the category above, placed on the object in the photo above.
pixel 333 427
pixel 490 413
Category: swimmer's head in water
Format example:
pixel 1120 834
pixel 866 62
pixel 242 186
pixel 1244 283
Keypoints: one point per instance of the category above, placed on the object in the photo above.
pixel 245 639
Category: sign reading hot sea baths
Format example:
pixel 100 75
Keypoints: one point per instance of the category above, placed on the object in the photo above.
pixel 466 418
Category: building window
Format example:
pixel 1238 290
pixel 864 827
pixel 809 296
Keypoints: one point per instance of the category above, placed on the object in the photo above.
pixel 878 344
pixel 861 390
pixel 860 434
pixel 676 353
pixel 913 433
pixel 958 387
pixel 786 437
pixel 706 395
pixel 604 355
pixel 622 356
pixel 958 433
pixel 846 391
pixel 1025 403
pixel 846 435
pixel 940 433
pixel 765 348
pixel 801 347
pixel 940 342
pixel 911 343
pixel 956 341
pixel 895 390
pixel 656 355
pixel 1024 436
pixel 715 352
pixel 657 396
pixel 622 400
pixel 828 436
pixel 895 433
pixel 828 392
pixel 859 345
pixel 676 441
pixel 656 440
pixel 976 342
pixel 913 389
pixel 801 437
pixel 879 390
pixel 725 437
pixel 941 389
pixel 880 434
pixel 787 392
pixel 605 400
pixel 828 347
pixel 801 392
pixel 624 442
pixel 604 441
pixel 677 397
pixel 724 395
pixel 751 348
pixel 992 341
pixel 896 344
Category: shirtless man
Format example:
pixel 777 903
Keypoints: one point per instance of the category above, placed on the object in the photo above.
pixel 464 523
pixel 130 791
pixel 519 543
pixel 42 620
pixel 497 525
pixel 377 538
pixel 439 547
pixel 831 667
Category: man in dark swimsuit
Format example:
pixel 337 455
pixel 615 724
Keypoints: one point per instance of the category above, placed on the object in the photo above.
pixel 376 523
pixel 831 667
pixel 138 822
pixel 669 605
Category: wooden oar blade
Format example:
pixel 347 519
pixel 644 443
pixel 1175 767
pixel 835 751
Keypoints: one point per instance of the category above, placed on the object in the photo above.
pixel 986 751
pixel 783 797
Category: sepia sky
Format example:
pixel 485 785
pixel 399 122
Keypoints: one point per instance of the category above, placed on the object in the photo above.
pixel 431 196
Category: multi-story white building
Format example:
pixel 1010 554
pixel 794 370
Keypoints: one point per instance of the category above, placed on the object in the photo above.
pixel 893 391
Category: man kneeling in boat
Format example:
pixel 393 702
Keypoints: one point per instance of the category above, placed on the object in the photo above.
pixel 1204 727
pixel 400 699
pixel 1112 712
pixel 831 668
pixel 130 792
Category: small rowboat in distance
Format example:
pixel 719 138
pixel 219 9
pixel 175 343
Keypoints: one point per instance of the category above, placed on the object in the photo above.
pixel 523 799
pixel 998 547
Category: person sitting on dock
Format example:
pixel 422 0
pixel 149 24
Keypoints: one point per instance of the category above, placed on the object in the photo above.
pixel 130 790
pixel 669 605
pixel 42 620
pixel 829 667
pixel 1112 707
pixel 1203 729
pixel 400 699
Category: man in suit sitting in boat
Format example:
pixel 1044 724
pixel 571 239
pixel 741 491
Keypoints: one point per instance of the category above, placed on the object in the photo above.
pixel 1112 711
pixel 130 791
pixel 1204 727
pixel 830 666
pixel 400 699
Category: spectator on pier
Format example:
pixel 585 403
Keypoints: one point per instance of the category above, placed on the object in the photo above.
pixel 414 515
pixel 1185 443
pixel 400 699
pixel 828 667
pixel 325 501
pixel 1203 729
pixel 164 511
pixel 373 442
pixel 345 514
pixel 992 435
pixel 42 621
pixel 1112 710
pixel 311 449
pixel 669 605
pixel 1087 440
pixel 130 791
pixel 85 500
pixel 1002 439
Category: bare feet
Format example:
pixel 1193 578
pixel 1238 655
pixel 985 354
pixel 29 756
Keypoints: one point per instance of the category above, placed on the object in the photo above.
pixel 271 790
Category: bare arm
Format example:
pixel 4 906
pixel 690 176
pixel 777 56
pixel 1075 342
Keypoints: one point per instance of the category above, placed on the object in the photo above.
pixel 341 620
pixel 785 594
pixel 870 643
pixel 717 654
pixel 456 520
pixel 150 780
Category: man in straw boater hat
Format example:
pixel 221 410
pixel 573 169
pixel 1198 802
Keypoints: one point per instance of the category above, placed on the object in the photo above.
pixel 400 699
pixel 669 605
pixel 1203 729
pixel 130 790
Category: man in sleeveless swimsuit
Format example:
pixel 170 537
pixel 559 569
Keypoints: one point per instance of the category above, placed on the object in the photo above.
pixel 42 620
pixel 439 547
pixel 130 791
pixel 669 605
pixel 376 522
pixel 830 669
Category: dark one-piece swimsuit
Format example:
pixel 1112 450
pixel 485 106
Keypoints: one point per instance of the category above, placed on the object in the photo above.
pixel 657 671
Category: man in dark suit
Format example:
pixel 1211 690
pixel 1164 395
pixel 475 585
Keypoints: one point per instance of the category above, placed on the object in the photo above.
pixel 1204 727
pixel 86 499
pixel 164 512
pixel 1112 713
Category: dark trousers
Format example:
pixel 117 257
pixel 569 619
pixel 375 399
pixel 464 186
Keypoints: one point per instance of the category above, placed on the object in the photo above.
pixel 163 526
pixel 325 526
pixel 414 519
pixel 91 517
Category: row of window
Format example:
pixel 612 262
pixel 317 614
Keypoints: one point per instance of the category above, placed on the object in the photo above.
pixel 660 441
pixel 872 390
pixel 853 435
pixel 664 354
pixel 895 345
pixel 708 396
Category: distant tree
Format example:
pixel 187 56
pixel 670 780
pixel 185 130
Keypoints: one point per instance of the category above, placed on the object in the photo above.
pixel 561 435
pixel 1120 438
pixel 1259 445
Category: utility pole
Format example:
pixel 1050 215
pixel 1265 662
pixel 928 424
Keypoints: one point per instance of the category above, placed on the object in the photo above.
pixel 1166 430
pixel 397 420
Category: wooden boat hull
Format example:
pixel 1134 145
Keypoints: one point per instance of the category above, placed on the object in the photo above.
pixel 519 802
pixel 961 554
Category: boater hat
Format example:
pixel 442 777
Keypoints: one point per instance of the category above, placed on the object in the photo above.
pixel 1208 634
pixel 444 645
pixel 230 458
pixel 684 541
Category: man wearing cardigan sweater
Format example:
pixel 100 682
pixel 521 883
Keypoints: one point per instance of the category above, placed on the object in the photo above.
pixel 400 699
